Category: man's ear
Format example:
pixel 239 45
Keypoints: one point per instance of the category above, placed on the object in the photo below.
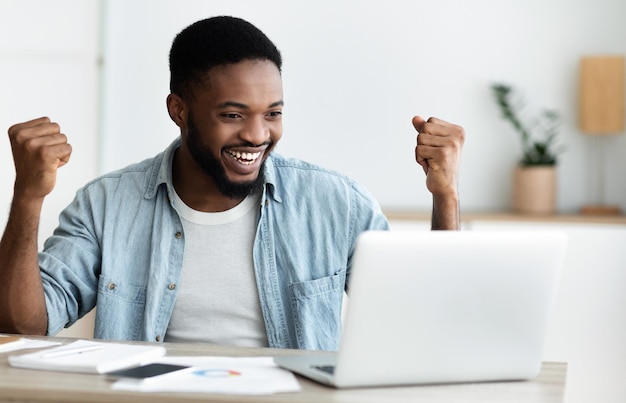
pixel 177 108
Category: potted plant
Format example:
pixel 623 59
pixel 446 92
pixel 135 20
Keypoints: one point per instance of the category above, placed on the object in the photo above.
pixel 534 177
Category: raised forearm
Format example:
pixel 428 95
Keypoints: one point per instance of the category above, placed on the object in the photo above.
pixel 39 149
pixel 22 302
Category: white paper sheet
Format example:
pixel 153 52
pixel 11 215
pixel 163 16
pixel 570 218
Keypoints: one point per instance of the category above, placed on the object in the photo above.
pixel 28 343
pixel 224 375
pixel 88 356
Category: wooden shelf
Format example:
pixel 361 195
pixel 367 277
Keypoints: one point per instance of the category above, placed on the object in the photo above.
pixel 508 216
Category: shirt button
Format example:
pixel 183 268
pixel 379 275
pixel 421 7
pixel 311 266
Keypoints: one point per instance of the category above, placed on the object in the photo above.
pixel 111 286
pixel 171 286
pixel 158 338
pixel 179 235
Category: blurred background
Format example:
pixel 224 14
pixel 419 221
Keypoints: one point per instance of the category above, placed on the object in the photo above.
pixel 355 73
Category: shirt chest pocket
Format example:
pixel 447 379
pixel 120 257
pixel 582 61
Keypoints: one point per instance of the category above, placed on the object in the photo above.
pixel 317 311
pixel 120 303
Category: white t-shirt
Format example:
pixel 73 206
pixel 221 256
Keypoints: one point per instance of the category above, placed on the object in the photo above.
pixel 218 300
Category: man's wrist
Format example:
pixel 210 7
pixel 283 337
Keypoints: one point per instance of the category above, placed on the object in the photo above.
pixel 446 215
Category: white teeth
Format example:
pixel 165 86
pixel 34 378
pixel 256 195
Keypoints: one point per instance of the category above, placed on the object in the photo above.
pixel 245 158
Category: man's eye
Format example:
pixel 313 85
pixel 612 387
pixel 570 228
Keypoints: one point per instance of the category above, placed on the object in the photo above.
pixel 231 115
pixel 275 114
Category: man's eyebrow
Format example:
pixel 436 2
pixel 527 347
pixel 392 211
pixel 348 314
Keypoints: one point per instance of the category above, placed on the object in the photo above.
pixel 277 103
pixel 233 104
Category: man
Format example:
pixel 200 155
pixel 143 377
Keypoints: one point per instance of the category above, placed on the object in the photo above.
pixel 217 238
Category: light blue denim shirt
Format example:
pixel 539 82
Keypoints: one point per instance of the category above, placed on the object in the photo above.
pixel 119 246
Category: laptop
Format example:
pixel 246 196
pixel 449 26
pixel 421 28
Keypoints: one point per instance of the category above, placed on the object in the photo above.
pixel 429 307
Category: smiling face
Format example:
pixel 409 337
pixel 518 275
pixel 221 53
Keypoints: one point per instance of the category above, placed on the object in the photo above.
pixel 230 126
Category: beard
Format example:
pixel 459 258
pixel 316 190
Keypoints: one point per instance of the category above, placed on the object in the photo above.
pixel 213 167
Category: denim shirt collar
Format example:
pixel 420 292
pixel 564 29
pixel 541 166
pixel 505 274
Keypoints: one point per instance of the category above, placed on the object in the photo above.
pixel 161 173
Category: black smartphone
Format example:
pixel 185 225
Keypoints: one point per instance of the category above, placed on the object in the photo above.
pixel 149 371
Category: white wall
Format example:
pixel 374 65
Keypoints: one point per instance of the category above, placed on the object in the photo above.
pixel 355 73
pixel 48 67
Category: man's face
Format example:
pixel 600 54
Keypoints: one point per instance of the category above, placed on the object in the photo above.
pixel 233 124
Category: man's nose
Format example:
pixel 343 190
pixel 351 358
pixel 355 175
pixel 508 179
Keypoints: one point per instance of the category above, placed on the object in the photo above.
pixel 256 131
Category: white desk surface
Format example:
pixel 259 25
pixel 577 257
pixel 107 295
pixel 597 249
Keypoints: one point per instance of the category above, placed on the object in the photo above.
pixel 22 385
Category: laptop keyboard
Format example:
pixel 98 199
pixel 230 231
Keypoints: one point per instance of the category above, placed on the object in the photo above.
pixel 325 368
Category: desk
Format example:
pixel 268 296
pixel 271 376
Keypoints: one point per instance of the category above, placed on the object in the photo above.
pixel 22 385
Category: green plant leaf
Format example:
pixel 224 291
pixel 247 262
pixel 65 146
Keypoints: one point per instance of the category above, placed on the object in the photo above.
pixel 537 134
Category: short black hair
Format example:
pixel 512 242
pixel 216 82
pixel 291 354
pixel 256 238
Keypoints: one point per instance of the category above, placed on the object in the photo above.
pixel 215 42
